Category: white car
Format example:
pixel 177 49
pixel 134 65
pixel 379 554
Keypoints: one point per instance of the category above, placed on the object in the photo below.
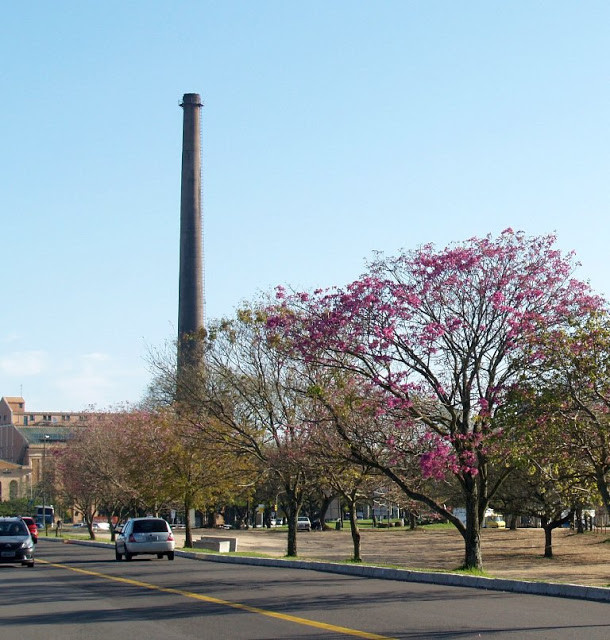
pixel 145 536
pixel 303 523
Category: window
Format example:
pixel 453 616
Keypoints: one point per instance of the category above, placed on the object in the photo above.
pixel 10 528
pixel 13 490
pixel 149 526
pixel 47 417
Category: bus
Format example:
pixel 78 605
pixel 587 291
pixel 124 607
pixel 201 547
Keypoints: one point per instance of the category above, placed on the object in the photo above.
pixel 49 515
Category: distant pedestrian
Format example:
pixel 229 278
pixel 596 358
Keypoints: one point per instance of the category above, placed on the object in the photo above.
pixel 58 529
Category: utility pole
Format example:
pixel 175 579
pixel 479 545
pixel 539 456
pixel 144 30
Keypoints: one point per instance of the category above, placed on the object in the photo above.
pixel 44 486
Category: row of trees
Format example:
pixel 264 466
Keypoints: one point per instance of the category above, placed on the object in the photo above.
pixel 134 461
pixel 470 376
pixel 466 359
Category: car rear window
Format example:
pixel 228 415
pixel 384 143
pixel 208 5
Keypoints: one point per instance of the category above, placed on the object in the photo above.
pixel 149 526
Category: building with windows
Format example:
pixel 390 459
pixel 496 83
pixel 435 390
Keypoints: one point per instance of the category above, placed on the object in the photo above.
pixel 14 480
pixel 24 438
pixel 12 411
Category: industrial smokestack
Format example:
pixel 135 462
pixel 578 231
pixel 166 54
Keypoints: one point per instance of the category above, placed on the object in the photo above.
pixel 190 303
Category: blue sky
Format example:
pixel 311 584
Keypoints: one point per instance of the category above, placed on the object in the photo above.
pixel 330 130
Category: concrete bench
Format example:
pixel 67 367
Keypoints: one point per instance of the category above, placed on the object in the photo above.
pixel 214 543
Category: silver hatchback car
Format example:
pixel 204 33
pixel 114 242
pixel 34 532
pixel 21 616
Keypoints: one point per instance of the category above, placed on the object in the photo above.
pixel 145 536
pixel 16 544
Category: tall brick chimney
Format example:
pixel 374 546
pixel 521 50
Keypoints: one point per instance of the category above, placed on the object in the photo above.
pixel 190 303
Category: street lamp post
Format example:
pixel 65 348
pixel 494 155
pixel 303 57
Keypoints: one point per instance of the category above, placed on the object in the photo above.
pixel 44 487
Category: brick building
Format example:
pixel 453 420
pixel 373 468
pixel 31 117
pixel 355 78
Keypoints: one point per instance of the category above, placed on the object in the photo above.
pixel 24 438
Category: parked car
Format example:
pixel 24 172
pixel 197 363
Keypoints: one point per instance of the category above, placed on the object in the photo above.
pixel 16 544
pixel 303 523
pixel 31 525
pixel 150 536
pixel 495 522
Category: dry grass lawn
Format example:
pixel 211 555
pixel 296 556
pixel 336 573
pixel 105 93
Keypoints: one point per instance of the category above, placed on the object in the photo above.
pixel 578 558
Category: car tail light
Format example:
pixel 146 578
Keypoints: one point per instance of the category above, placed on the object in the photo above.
pixel 170 537
pixel 131 538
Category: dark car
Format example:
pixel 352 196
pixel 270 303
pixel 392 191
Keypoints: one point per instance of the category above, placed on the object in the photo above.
pixel 16 544
pixel 31 525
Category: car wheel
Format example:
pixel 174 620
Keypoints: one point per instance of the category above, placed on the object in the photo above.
pixel 118 556
pixel 170 555
pixel 159 555
pixel 29 564
pixel 128 556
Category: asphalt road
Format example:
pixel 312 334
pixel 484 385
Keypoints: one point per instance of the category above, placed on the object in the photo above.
pixel 82 592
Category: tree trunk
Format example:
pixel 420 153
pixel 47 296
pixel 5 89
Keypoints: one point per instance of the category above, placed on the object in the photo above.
pixel 355 537
pixel 323 509
pixel 548 541
pixel 88 521
pixel 247 516
pixel 548 525
pixel 188 536
pixel 292 506
pixel 210 517
pixel 473 558
pixel 602 485
pixel 291 545
pixel 353 523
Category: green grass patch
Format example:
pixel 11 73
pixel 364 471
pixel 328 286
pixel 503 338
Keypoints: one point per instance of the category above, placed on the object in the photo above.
pixel 437 526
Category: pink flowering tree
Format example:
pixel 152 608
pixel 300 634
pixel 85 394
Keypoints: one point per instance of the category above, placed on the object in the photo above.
pixel 439 335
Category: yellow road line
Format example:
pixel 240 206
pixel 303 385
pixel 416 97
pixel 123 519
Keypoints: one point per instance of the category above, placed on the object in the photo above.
pixel 234 605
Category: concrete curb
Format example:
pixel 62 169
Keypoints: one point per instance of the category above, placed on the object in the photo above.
pixel 555 589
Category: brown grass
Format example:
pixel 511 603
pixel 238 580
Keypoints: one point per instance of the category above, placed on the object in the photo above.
pixel 578 558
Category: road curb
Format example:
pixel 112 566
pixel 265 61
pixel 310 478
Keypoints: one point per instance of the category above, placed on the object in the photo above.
pixel 555 589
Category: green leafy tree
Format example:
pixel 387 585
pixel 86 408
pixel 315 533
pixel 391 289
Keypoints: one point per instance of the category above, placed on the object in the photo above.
pixel 260 407
pixel 572 379
pixel 552 482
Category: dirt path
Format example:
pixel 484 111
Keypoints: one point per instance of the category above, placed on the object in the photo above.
pixel 578 558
